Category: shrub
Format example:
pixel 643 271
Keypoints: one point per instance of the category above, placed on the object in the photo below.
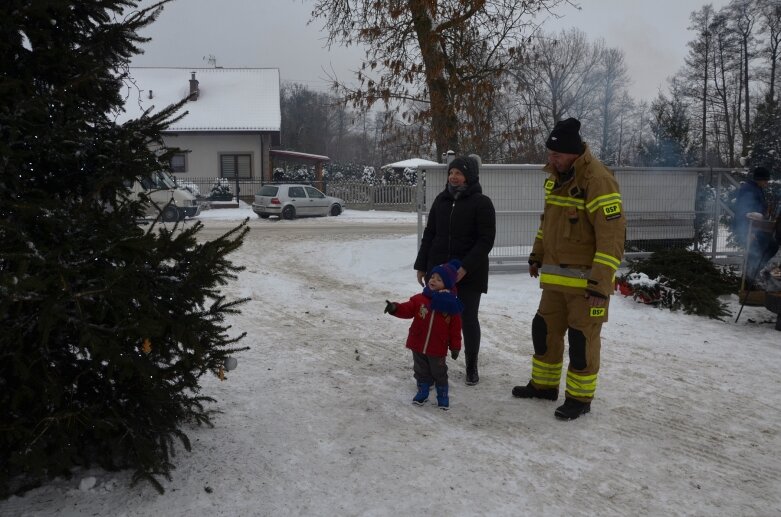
pixel 681 280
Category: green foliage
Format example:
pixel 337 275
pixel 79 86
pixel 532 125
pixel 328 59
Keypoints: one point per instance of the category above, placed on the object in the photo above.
pixel 671 145
pixel 107 326
pixel 682 280
pixel 766 150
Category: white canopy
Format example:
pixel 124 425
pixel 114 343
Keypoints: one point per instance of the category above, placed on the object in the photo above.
pixel 412 163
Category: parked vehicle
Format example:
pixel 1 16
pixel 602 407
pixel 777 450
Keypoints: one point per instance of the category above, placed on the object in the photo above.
pixel 175 203
pixel 291 201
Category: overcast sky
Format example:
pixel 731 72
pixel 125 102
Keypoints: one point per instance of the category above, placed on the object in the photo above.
pixel 276 34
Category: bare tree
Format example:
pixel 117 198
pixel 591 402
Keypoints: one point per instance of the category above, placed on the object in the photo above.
pixel 698 68
pixel 744 16
pixel 627 114
pixel 559 77
pixel 613 80
pixel 770 16
pixel 727 86
pixel 436 58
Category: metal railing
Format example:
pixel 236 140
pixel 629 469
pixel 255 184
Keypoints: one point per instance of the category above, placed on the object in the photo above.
pixel 357 195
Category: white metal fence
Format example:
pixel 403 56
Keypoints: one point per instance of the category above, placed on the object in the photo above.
pixel 664 207
pixel 357 195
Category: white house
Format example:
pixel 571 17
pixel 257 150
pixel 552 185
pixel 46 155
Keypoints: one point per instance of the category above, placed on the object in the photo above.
pixel 233 118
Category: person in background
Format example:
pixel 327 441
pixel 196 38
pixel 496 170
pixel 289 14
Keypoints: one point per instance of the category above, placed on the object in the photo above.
pixel 578 248
pixel 435 328
pixel 750 198
pixel 462 225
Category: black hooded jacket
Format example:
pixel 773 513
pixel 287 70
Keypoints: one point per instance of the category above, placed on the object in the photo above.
pixel 460 226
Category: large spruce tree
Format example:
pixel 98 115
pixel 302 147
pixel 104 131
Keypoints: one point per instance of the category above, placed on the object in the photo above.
pixel 106 326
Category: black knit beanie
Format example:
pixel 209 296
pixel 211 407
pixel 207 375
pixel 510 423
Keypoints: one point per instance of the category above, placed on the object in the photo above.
pixel 468 166
pixel 761 174
pixel 565 137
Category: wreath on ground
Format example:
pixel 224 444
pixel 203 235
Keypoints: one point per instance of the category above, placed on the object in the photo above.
pixel 679 279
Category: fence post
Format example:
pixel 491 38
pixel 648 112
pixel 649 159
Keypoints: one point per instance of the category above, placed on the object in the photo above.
pixel 716 210
pixel 371 196
pixel 419 208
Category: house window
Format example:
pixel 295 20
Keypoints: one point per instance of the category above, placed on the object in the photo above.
pixel 232 165
pixel 179 162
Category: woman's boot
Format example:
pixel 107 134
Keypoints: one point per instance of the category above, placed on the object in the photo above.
pixel 472 376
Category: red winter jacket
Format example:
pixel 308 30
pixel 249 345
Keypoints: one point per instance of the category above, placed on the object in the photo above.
pixel 432 332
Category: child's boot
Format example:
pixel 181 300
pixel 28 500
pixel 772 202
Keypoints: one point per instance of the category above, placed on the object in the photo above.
pixel 422 395
pixel 443 401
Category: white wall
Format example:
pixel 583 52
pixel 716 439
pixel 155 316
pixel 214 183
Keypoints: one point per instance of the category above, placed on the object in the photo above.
pixel 204 159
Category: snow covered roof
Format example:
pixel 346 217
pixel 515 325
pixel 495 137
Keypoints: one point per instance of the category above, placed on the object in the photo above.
pixel 411 164
pixel 229 99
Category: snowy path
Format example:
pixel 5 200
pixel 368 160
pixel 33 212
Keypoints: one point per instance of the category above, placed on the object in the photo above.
pixel 317 419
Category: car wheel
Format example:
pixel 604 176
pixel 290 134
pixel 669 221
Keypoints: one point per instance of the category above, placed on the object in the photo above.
pixel 336 210
pixel 288 212
pixel 170 214
pixel 263 216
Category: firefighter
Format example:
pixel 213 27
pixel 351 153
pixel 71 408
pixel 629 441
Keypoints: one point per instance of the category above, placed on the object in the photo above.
pixel 577 250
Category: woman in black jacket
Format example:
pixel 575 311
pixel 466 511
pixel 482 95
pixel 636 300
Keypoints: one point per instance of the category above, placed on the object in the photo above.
pixel 462 225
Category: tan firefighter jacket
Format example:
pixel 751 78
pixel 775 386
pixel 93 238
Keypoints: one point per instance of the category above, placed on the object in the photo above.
pixel 580 241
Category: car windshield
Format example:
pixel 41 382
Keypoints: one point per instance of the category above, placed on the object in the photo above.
pixel 158 180
pixel 164 180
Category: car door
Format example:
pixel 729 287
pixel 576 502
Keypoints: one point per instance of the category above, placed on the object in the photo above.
pixel 317 201
pixel 298 199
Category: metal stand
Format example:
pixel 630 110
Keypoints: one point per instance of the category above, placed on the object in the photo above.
pixel 753 227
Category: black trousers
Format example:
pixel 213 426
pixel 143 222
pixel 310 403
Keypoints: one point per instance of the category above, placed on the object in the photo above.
pixel 470 325
pixel 430 370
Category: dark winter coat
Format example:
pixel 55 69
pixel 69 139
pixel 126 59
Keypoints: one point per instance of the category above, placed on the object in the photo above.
pixel 460 226
pixel 750 198
pixel 432 332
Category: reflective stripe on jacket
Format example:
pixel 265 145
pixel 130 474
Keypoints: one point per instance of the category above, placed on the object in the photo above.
pixel 580 242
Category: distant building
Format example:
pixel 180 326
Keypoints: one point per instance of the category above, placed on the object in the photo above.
pixel 233 118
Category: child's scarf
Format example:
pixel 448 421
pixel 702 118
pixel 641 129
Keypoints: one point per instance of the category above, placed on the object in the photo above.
pixel 444 301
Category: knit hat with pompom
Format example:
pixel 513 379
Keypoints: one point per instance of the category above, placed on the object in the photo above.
pixel 448 272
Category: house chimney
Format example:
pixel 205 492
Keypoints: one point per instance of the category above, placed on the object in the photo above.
pixel 150 94
pixel 193 88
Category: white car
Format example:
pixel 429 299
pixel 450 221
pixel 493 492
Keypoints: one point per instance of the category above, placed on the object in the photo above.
pixel 164 196
pixel 291 201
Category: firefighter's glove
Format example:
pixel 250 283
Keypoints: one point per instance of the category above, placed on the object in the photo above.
pixel 454 354
pixel 390 307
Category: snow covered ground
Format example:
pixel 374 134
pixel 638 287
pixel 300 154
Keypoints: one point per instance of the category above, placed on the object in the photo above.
pixel 317 418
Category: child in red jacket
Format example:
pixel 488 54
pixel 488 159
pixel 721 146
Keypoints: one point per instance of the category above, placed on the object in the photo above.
pixel 436 327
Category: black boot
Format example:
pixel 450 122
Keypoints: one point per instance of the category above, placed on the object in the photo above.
pixel 530 392
pixel 472 377
pixel 572 409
